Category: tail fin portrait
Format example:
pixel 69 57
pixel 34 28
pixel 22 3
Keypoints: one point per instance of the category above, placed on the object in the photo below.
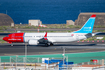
pixel 88 26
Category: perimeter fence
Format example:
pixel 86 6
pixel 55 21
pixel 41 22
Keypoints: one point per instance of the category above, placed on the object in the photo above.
pixel 32 63
pixel 38 59
pixel 25 59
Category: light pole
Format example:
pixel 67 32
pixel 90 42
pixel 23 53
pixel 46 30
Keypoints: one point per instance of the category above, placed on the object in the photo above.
pixel 25 51
pixel 38 29
pixel 16 60
pixel 63 55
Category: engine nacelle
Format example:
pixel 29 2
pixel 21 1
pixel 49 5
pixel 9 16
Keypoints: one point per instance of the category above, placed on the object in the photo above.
pixel 33 42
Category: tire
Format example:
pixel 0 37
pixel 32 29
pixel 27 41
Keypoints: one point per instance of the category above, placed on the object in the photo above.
pixel 11 45
pixel 51 44
pixel 46 45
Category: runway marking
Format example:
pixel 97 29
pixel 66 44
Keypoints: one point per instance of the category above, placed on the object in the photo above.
pixel 81 51
pixel 51 53
pixel 9 54
pixel 95 49
pixel 89 49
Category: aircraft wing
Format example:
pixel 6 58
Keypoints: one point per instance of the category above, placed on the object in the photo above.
pixel 98 33
pixel 44 39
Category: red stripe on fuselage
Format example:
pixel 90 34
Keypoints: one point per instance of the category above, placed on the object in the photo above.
pixel 16 37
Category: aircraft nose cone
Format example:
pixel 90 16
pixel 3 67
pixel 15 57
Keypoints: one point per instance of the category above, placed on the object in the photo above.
pixel 5 38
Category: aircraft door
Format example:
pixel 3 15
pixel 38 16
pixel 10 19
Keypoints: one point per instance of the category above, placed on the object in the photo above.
pixel 13 35
pixel 13 39
pixel 77 36
pixel 68 36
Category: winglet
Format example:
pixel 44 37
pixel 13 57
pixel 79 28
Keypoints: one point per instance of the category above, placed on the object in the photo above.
pixel 45 36
pixel 93 16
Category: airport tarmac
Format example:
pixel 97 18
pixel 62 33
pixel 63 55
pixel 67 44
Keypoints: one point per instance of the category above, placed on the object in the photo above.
pixel 19 49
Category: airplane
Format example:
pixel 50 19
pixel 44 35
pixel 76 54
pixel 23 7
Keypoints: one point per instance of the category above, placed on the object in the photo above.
pixel 42 26
pixel 50 38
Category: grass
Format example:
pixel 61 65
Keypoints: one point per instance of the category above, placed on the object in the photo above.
pixel 2 41
pixel 57 26
pixel 98 31
pixel 1 31
pixel 26 26
pixel 99 26
pixel 103 38
pixel 94 38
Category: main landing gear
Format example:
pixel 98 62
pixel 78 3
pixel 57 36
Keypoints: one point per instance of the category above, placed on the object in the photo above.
pixel 49 44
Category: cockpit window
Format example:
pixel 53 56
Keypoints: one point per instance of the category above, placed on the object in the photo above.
pixel 7 36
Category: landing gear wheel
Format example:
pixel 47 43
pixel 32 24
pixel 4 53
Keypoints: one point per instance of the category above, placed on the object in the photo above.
pixel 51 44
pixel 46 45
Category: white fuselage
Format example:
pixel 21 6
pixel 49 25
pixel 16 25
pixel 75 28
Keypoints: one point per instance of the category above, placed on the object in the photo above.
pixel 55 37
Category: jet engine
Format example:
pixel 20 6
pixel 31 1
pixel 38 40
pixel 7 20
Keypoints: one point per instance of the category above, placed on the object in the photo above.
pixel 33 42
